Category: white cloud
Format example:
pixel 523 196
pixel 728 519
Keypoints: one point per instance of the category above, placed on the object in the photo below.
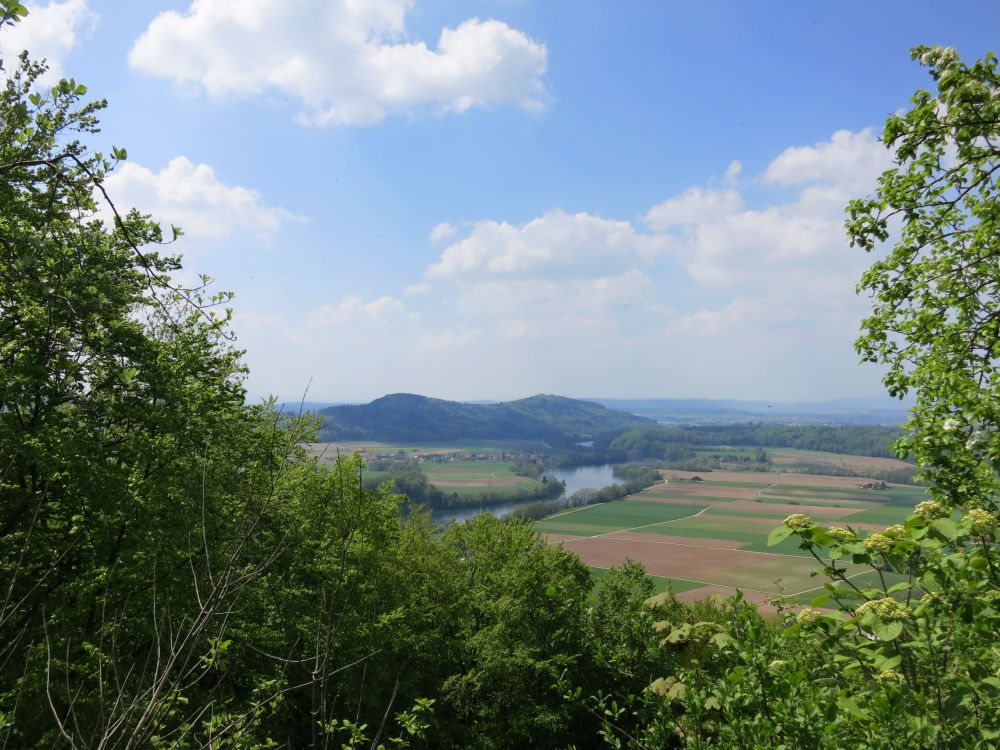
pixel 557 243
pixel 852 160
pixel 419 288
pixel 193 197
pixel 443 231
pixel 733 171
pixel 693 207
pixel 384 312
pixel 48 31
pixel 347 62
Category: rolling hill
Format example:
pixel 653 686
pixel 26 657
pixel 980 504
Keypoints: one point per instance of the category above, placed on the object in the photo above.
pixel 401 417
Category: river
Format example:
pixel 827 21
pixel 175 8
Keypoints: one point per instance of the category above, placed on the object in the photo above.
pixel 576 478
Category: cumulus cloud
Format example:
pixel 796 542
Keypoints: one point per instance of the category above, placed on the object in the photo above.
pixel 442 232
pixel 556 243
pixel 693 207
pixel 346 62
pixel 48 31
pixel 193 197
pixel 852 160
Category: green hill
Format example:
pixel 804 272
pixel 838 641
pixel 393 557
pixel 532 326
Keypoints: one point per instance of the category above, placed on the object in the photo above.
pixel 401 417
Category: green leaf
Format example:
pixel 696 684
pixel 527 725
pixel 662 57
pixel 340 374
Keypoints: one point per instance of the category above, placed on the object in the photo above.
pixel 779 535
pixel 946 527
pixel 851 706
pixel 888 631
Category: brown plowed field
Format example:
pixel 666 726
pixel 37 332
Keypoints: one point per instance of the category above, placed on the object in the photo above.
pixel 726 567
pixel 683 541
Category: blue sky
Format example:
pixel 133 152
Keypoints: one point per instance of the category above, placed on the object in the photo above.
pixel 494 199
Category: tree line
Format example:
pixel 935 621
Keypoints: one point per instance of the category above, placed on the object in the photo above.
pixel 678 442
pixel 409 479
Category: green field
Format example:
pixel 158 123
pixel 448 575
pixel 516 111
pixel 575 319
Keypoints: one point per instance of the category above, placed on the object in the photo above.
pixel 714 532
pixel 475 477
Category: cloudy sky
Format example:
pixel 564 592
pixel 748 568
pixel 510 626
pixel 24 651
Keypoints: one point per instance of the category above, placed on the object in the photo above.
pixel 496 198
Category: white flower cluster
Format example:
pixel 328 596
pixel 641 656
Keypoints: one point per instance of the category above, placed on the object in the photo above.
pixel 940 56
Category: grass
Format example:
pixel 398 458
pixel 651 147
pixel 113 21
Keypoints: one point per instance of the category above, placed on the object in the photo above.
pixel 885 514
pixel 481 472
pixel 676 496
pixel 485 488
pixel 764 512
pixel 617 516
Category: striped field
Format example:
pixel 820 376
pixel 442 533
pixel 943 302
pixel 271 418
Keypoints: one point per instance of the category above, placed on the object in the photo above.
pixel 710 536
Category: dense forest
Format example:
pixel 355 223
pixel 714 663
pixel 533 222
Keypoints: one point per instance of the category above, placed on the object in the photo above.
pixel 403 417
pixel 677 442
pixel 179 573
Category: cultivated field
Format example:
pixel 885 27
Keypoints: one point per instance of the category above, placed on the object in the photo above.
pixel 370 448
pixel 475 476
pixel 710 537
pixel 860 464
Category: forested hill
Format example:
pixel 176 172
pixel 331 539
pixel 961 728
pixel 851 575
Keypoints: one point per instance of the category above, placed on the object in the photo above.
pixel 405 416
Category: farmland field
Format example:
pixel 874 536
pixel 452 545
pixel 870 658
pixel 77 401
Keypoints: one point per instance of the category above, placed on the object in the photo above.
pixel 371 448
pixel 859 464
pixel 710 536
pixel 475 476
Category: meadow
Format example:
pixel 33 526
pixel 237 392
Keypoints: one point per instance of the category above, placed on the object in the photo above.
pixel 475 476
pixel 710 536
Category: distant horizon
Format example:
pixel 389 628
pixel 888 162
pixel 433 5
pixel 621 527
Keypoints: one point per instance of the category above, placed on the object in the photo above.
pixel 873 397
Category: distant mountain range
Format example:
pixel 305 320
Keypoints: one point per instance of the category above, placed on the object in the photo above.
pixel 402 417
